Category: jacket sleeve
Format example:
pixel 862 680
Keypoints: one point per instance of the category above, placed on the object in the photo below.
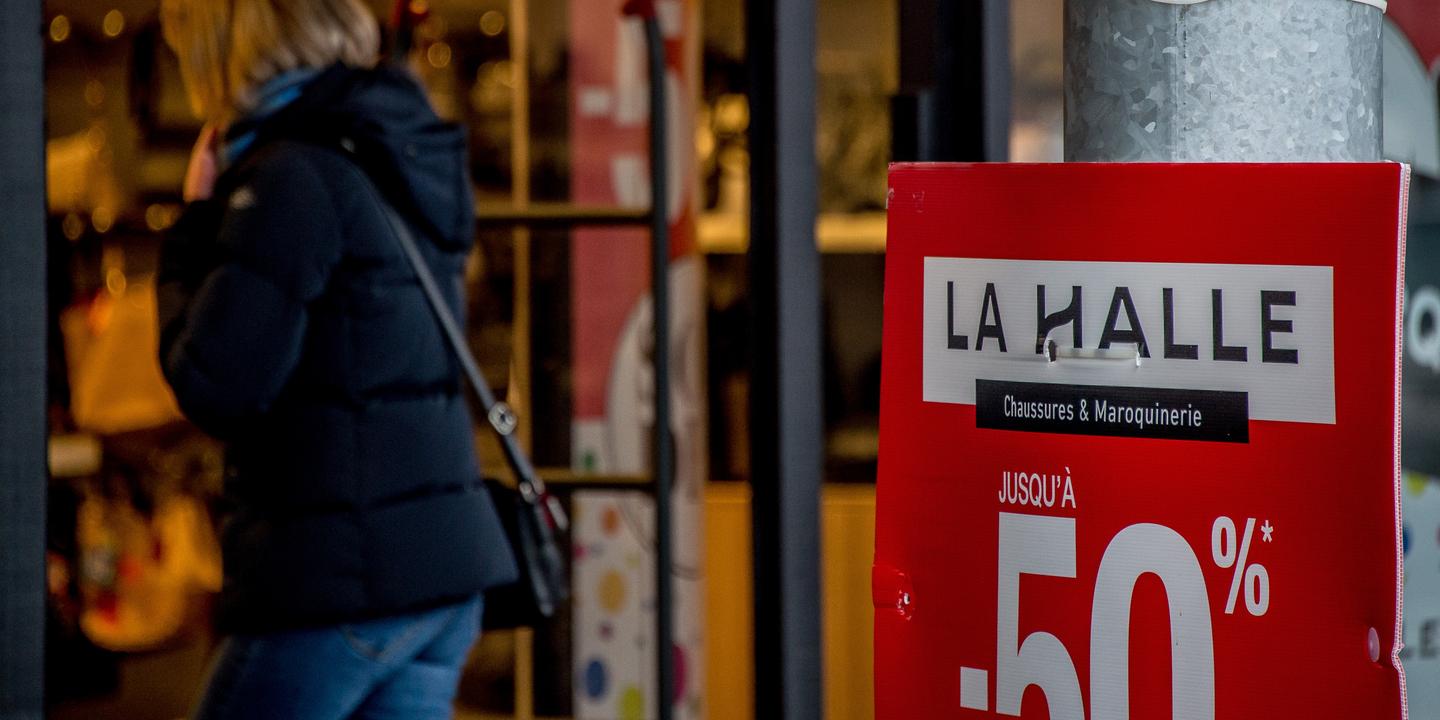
pixel 233 308
pixel 186 257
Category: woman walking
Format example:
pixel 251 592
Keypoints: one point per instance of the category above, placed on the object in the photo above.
pixel 358 538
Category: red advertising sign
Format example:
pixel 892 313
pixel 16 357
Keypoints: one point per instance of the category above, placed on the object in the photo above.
pixel 1138 451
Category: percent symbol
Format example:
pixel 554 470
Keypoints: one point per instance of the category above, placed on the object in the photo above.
pixel 1253 577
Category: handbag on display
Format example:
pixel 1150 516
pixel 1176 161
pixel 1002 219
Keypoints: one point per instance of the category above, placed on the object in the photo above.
pixel 531 516
pixel 115 380
pixel 139 574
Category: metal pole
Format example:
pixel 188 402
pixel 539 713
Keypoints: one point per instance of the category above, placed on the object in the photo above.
pixel 1221 80
pixel 954 100
pixel 785 392
pixel 663 449
pixel 972 74
pixel 521 387
pixel 22 363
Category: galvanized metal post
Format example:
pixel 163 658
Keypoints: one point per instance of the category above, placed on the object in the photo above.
pixel 22 363
pixel 1223 80
pixel 785 389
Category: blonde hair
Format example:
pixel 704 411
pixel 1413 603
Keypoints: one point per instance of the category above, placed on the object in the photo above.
pixel 228 48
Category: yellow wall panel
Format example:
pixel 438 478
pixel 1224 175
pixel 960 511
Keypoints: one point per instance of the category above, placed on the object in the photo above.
pixel 847 547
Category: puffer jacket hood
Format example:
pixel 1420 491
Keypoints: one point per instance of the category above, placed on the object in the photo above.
pixel 382 118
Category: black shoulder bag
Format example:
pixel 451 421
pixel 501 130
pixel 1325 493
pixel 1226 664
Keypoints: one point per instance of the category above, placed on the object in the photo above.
pixel 531 516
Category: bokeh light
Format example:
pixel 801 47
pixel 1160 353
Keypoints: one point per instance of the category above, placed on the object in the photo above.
pixel 114 23
pixel 492 23
pixel 60 28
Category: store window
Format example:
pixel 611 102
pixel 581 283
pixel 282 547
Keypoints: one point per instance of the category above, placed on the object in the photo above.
pixel 857 73
pixel 119 134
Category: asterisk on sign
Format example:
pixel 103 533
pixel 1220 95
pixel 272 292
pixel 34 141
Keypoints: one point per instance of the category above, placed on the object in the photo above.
pixel 1265 531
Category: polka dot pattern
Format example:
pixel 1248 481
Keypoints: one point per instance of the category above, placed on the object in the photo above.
pixel 612 591
pixel 681 671
pixel 597 679
pixel 632 704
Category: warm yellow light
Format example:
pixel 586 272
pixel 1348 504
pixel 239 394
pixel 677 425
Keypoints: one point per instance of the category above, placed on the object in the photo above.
pixel 60 28
pixel 103 219
pixel 704 141
pixel 116 282
pixel 72 226
pixel 94 93
pixel 492 23
pixel 114 23
pixel 434 28
pixel 732 113
pixel 438 55
pixel 96 137
pixel 157 217
pixel 419 7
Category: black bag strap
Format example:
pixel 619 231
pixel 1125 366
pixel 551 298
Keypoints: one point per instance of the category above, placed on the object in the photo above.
pixel 497 414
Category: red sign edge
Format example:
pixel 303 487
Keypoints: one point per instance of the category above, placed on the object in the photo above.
pixel 1399 641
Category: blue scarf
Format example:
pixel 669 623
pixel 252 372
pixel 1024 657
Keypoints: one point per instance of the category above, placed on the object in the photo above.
pixel 277 93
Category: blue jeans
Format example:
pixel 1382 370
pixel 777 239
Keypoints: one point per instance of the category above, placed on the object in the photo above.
pixel 406 666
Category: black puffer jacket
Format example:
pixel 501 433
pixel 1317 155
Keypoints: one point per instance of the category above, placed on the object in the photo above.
pixel 292 328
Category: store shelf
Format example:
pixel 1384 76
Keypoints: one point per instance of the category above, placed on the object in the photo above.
pixel 565 478
pixel 556 215
pixel 729 233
